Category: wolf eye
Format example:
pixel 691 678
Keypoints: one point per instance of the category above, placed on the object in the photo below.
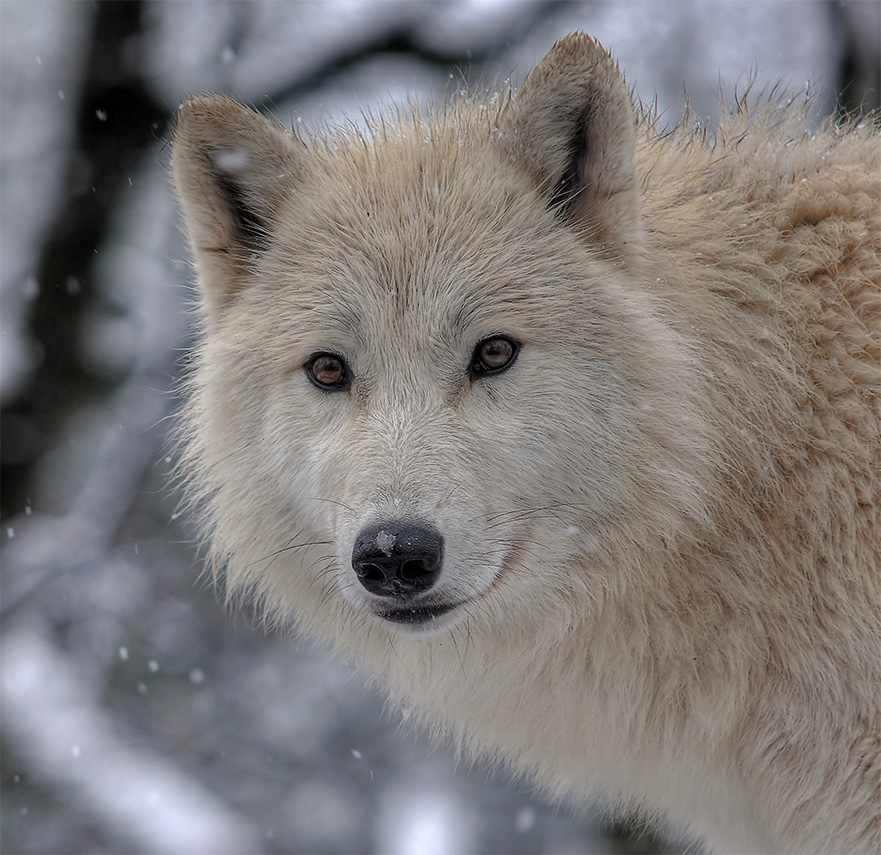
pixel 493 355
pixel 328 371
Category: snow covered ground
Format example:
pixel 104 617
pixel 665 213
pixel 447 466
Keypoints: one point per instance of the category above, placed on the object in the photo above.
pixel 138 715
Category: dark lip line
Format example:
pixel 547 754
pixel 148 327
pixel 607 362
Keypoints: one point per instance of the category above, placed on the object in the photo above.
pixel 417 614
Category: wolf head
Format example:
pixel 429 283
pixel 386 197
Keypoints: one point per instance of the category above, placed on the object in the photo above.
pixel 434 388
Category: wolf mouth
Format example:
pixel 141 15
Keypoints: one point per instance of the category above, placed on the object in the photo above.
pixel 417 614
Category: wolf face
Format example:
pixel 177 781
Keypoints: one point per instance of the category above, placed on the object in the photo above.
pixel 404 383
pixel 418 346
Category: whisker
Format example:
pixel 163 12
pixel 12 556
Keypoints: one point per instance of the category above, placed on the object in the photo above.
pixel 332 502
pixel 271 556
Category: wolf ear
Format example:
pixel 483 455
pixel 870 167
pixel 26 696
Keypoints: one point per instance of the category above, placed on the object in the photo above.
pixel 232 169
pixel 573 127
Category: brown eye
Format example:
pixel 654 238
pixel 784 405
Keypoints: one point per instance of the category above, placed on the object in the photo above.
pixel 328 371
pixel 493 355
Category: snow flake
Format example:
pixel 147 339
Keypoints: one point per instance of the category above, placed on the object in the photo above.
pixel 385 541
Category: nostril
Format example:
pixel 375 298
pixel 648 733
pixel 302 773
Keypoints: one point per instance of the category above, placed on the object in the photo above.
pixel 398 560
pixel 413 568
pixel 371 571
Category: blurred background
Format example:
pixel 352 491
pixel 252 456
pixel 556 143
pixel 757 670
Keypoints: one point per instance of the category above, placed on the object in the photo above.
pixel 138 714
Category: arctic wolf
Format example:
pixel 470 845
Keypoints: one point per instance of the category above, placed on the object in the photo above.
pixel 568 430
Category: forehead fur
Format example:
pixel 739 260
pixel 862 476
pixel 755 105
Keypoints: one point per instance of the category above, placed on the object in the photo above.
pixel 425 210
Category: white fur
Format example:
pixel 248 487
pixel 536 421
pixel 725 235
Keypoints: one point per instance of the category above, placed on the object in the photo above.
pixel 661 522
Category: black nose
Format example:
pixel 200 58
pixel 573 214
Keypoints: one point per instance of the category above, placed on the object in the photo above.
pixel 399 559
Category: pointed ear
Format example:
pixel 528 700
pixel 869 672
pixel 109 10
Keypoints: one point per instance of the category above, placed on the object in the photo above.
pixel 232 170
pixel 573 127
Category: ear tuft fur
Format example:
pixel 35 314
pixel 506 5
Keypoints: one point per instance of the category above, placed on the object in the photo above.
pixel 573 127
pixel 233 168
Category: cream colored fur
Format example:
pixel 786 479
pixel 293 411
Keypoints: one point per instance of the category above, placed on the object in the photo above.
pixel 662 519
